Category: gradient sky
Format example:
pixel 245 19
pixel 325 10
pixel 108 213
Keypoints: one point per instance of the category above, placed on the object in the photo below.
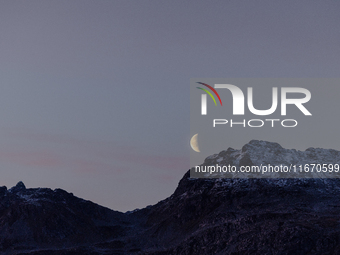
pixel 95 94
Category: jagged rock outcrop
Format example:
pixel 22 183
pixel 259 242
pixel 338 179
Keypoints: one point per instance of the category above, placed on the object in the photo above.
pixel 262 153
pixel 39 219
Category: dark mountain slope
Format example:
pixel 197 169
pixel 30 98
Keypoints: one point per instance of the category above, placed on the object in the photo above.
pixel 203 216
pixel 43 218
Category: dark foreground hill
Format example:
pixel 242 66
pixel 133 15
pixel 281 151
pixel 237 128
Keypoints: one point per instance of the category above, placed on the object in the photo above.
pixel 203 216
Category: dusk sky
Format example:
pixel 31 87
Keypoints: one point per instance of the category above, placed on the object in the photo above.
pixel 95 94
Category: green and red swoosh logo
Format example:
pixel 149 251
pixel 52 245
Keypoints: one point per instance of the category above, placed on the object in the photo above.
pixel 208 92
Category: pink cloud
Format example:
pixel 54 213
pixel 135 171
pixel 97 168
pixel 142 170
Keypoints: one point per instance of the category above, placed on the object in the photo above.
pixel 91 156
pixel 35 159
pixel 96 167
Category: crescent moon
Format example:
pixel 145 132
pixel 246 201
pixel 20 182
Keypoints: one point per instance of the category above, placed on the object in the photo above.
pixel 194 143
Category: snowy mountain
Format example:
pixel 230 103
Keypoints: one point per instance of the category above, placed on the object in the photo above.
pixel 290 163
pixel 203 216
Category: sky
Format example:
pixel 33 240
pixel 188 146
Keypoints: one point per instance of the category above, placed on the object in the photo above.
pixel 95 94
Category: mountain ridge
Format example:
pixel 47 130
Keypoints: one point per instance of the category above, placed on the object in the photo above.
pixel 202 216
pixel 262 153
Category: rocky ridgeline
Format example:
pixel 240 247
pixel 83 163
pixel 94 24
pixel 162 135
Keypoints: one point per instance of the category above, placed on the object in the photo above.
pixel 262 153
pixel 203 216
pixel 37 220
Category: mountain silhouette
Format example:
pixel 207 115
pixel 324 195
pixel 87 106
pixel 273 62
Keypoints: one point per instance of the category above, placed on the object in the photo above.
pixel 202 216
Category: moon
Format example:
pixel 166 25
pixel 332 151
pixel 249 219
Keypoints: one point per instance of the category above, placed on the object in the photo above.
pixel 194 143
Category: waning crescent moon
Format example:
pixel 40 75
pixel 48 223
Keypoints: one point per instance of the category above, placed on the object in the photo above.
pixel 194 143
